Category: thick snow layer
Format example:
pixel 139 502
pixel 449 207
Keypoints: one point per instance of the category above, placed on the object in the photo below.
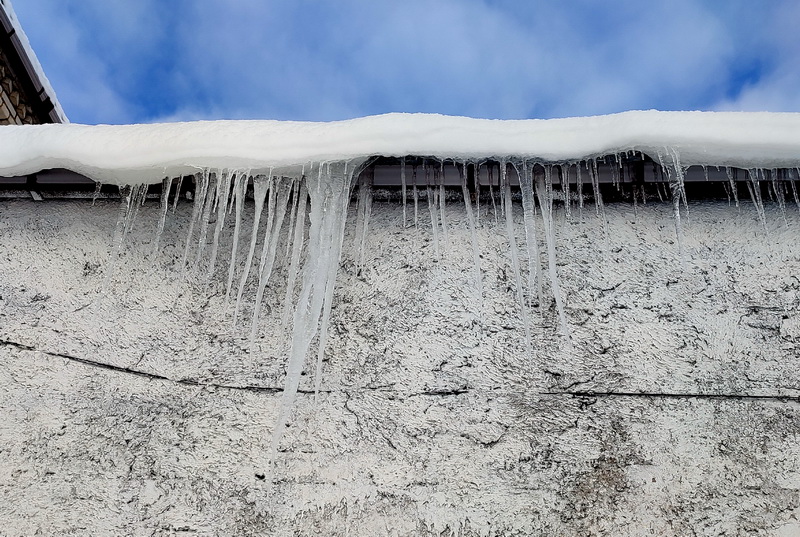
pixel 26 45
pixel 147 153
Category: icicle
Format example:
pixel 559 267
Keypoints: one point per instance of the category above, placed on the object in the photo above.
pixel 416 197
pixel 362 221
pixel 545 195
pixel 531 242
pixel 165 187
pixel 126 196
pixel 208 204
pixel 599 207
pixel 177 194
pixel 360 211
pixel 432 211
pixel 293 215
pixel 777 186
pixel 201 187
pixel 503 180
pixel 97 188
pixel 675 188
pixel 261 185
pixel 771 192
pixel 476 253
pixel 329 288
pixel 579 184
pixel 297 248
pixel 476 170
pixel 512 241
pixel 563 173
pixel 614 167
pixel 223 193
pixel 659 190
pixel 755 194
pixel 598 198
pixel 329 200
pixel 278 206
pixel 680 176
pixel 489 168
pixel 138 195
pixel 239 190
pixel 442 199
pixel 732 185
pixel 403 187
pixel 794 189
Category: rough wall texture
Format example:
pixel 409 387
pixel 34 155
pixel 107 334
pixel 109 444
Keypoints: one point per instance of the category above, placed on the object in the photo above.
pixel 14 106
pixel 673 411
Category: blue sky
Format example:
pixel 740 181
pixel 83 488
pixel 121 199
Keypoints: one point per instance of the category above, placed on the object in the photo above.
pixel 126 61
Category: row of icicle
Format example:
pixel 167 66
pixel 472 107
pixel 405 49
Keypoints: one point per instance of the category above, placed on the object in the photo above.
pixel 321 193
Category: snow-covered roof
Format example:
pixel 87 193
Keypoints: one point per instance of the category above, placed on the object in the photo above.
pixel 36 72
pixel 147 153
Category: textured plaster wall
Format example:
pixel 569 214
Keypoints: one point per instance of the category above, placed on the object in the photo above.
pixel 673 411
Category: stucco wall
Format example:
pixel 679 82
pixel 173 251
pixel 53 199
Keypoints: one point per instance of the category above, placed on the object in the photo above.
pixel 672 411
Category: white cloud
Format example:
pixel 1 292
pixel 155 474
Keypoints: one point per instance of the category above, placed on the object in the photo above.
pixel 138 60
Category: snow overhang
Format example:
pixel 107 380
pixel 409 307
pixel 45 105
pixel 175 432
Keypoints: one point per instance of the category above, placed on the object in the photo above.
pixel 135 154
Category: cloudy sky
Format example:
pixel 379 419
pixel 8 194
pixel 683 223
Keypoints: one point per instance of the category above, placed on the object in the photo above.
pixel 123 61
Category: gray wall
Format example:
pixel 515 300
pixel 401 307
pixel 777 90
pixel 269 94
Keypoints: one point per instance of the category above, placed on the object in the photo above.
pixel 673 410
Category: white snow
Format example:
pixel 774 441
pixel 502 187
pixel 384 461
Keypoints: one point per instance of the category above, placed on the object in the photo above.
pixel 132 154
pixel 37 67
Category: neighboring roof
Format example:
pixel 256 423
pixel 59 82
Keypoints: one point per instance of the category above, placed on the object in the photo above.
pixel 18 46
pixel 147 153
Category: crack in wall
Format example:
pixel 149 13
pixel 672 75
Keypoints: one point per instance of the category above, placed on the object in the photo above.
pixel 667 395
pixel 433 393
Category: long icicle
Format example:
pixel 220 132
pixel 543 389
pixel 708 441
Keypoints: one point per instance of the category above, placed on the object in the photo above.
pixel 239 190
pixel 529 213
pixel 367 191
pixel 545 194
pixel 297 248
pixel 563 174
pixel 732 184
pixel 755 193
pixel 442 200
pixel 512 241
pixel 432 211
pixel 794 188
pixel 476 251
pixel 201 187
pixel 361 217
pixel 223 193
pixel 293 215
pixel 261 185
pixel 162 220
pixel 416 196
pixel 673 174
pixel 271 239
pixel 780 196
pixel 329 288
pixel 329 200
pixel 210 198
pixel 403 187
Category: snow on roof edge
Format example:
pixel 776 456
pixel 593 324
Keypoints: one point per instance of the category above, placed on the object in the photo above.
pixel 129 154
pixel 37 67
